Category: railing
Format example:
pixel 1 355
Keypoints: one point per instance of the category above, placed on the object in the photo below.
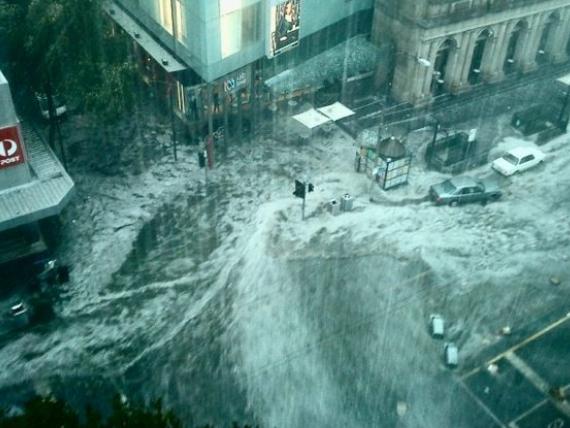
pixel 441 12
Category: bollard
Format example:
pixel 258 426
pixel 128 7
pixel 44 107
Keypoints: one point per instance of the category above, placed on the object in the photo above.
pixel 346 202
pixel 334 207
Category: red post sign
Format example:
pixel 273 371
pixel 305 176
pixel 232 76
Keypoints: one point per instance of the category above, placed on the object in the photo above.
pixel 11 150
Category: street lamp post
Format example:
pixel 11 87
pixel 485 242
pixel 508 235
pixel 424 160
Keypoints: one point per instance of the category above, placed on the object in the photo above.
pixel 431 147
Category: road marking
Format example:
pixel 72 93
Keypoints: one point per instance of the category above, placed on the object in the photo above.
pixel 537 381
pixel 519 345
pixel 480 403
pixel 531 338
pixel 528 412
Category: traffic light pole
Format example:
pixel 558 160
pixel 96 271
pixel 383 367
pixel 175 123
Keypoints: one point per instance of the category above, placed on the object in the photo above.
pixel 301 190
pixel 303 206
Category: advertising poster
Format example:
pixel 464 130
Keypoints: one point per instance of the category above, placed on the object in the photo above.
pixel 11 151
pixel 284 26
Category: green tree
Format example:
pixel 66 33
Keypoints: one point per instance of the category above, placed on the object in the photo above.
pixel 42 412
pixel 49 412
pixel 68 47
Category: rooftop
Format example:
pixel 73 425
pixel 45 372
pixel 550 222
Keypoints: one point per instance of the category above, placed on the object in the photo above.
pixel 45 196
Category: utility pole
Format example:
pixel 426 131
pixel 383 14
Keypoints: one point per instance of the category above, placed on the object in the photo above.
pixel 431 147
pixel 304 199
pixel 172 121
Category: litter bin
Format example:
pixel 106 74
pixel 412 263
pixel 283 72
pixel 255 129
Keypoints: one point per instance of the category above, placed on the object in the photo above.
pixel 334 207
pixel 346 202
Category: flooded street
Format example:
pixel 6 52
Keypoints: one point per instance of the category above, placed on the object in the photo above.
pixel 231 308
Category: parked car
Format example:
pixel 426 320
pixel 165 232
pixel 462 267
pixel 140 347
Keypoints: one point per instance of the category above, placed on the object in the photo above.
pixel 517 160
pixel 59 105
pixel 464 189
pixel 436 326
pixel 451 354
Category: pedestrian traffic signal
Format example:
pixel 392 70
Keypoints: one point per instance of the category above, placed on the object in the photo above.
pixel 299 189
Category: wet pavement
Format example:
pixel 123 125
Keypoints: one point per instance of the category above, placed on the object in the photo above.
pixel 230 308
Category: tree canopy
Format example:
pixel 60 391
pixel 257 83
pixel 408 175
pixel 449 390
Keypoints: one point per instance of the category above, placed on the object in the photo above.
pixel 69 47
pixel 51 412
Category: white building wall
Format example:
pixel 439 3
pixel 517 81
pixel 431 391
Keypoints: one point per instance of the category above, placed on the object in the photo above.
pixel 202 48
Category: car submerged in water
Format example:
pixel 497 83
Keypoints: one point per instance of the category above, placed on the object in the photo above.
pixel 464 189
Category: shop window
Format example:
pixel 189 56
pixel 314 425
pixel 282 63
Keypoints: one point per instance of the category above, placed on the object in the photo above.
pixel 180 97
pixel 165 14
pixel 181 34
pixel 167 18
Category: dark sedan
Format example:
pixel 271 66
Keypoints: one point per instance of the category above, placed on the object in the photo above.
pixel 463 189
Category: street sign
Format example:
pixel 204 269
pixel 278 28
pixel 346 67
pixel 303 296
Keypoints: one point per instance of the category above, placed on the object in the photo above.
pixel 230 85
pixel 11 151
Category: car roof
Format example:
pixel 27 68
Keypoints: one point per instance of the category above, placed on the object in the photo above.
pixel 522 151
pixel 463 181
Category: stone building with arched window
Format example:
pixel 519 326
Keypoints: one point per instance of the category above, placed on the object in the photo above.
pixel 452 46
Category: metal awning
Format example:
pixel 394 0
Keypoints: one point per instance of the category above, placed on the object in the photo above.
pixel 143 38
pixel 45 196
pixel 336 111
pixel 311 118
pixel 565 80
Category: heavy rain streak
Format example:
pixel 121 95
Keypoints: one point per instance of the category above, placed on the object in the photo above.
pixel 285 213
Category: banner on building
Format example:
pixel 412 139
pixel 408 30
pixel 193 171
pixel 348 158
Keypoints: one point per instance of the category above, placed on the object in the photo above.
pixel 11 150
pixel 284 26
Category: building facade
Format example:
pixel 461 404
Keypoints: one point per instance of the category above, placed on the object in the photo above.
pixel 451 46
pixel 231 45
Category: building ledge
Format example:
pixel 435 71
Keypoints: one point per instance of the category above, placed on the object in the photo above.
pixel 146 41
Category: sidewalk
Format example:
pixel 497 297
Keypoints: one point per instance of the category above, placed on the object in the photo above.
pixel 484 100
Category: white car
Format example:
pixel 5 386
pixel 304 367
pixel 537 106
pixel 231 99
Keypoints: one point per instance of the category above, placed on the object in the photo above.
pixel 518 160
pixel 451 354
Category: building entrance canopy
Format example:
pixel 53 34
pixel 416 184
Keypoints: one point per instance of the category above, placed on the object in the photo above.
pixel 311 118
pixel 336 111
pixel 143 38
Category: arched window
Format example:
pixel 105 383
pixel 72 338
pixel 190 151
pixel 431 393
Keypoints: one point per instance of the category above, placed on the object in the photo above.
pixel 509 65
pixel 542 55
pixel 440 66
pixel 477 60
